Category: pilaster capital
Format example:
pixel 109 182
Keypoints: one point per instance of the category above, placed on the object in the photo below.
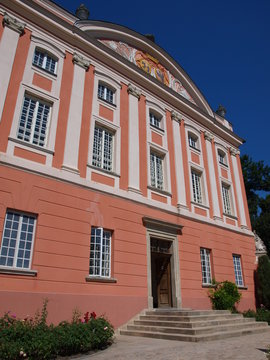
pixel 234 151
pixel 134 91
pixel 81 61
pixel 13 23
pixel 208 136
pixel 176 116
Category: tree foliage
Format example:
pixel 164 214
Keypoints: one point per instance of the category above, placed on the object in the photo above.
pixel 263 284
pixel 257 184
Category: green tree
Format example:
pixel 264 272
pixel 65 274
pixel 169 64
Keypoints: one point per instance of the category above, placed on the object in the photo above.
pixel 257 180
pixel 263 284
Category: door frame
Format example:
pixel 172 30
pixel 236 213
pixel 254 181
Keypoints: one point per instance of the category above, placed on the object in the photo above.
pixel 168 232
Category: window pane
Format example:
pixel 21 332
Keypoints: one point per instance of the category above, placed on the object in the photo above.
pixel 100 253
pixel 238 270
pixel 154 120
pixel 196 187
pixel 14 249
pixel 102 149
pixel 156 170
pixel 226 199
pixel 206 266
pixel 45 61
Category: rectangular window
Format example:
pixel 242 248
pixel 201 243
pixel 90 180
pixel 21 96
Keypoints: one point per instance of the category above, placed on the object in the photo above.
pixel 196 187
pixel 43 60
pixel 221 158
pixel 34 121
pixel 154 120
pixel 206 266
pixel 17 240
pixel 238 270
pixel 105 93
pixel 100 253
pixel 193 141
pixel 226 199
pixel 102 149
pixel 156 170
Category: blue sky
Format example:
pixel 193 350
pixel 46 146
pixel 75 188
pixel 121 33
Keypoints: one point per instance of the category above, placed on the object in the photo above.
pixel 224 46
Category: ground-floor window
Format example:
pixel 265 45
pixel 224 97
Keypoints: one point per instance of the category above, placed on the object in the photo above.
pixel 206 266
pixel 100 252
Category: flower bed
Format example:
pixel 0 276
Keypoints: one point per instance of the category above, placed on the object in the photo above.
pixel 33 339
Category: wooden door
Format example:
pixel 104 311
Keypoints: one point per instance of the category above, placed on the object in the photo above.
pixel 164 282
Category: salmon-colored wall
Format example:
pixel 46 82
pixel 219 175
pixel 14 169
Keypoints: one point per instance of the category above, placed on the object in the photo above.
pixel 42 82
pixel 224 173
pixel 195 158
pixel 86 118
pixel 13 88
pixel 156 138
pixel 105 112
pixel 158 197
pixel 29 155
pixel 103 179
pixel 65 214
pixel 65 94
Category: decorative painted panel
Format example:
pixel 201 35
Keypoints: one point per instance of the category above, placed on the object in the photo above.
pixel 149 64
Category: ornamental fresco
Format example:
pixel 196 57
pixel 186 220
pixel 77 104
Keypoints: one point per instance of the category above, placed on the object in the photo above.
pixel 149 64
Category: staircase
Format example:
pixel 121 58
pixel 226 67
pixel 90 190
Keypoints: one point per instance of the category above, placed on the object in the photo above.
pixel 192 325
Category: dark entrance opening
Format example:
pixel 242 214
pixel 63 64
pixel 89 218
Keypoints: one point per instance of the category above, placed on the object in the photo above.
pixel 161 253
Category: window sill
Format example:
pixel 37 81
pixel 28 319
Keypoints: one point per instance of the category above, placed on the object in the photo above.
pixel 47 72
pixel 230 216
pixel 199 204
pixel 32 146
pixel 107 172
pixel 209 286
pixel 163 192
pixel 107 102
pixel 100 279
pixel 242 287
pixel 157 128
pixel 223 164
pixel 14 271
pixel 194 148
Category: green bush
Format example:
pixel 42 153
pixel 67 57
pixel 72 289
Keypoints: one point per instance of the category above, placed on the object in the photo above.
pixel 224 296
pixel 261 314
pixel 33 339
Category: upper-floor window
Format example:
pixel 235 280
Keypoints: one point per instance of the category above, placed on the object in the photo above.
pixel 206 266
pixel 193 141
pixel 196 186
pixel 226 199
pixel 222 157
pixel 17 240
pixel 103 148
pixel 155 120
pixel 34 121
pixel 238 270
pixel 106 93
pixel 45 61
pixel 156 170
pixel 100 253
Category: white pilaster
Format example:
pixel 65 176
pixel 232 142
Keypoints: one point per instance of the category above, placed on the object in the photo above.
pixel 133 140
pixel 75 114
pixel 179 166
pixel 239 194
pixel 8 46
pixel 216 210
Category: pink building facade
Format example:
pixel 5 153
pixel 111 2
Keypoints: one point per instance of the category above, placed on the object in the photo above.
pixel 120 188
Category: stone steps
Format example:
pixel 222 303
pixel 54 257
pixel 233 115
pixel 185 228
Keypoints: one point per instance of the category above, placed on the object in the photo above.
pixel 192 325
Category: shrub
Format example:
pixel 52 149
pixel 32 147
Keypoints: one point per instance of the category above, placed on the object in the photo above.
pixel 33 339
pixel 263 284
pixel 261 314
pixel 224 296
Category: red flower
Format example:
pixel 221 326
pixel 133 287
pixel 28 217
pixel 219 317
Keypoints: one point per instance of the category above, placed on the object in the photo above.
pixel 86 316
pixel 93 315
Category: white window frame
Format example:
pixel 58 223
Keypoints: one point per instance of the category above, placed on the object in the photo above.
pixel 106 93
pixel 222 157
pixel 193 141
pixel 45 60
pixel 155 180
pixel 38 102
pixel 105 132
pixel 197 188
pixel 205 255
pixel 97 256
pixel 227 198
pixel 238 272
pixel 18 240
pixel 155 120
